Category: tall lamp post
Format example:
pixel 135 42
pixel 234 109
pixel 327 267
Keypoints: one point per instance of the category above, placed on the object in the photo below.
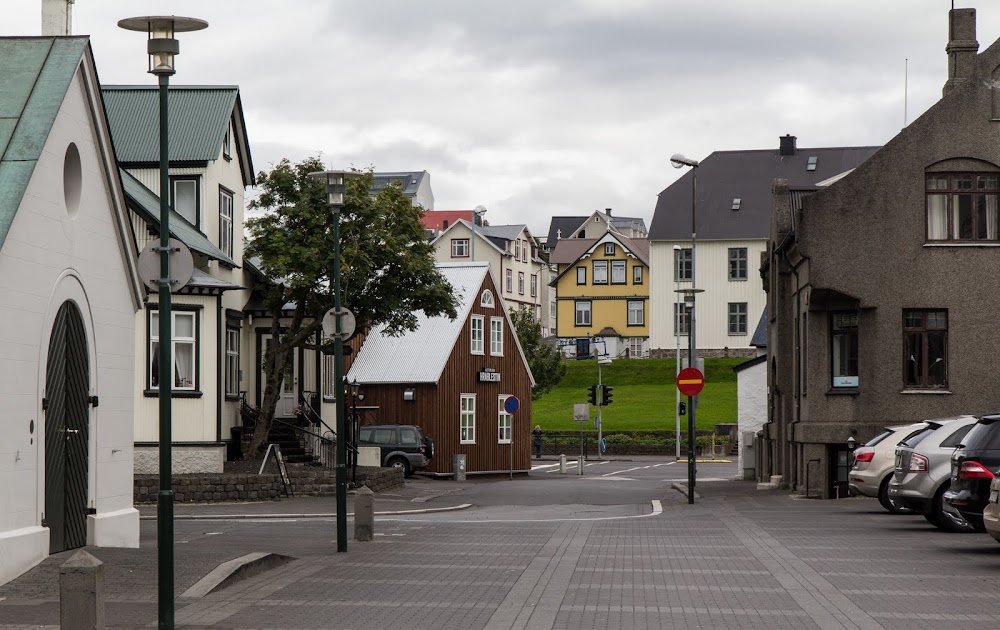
pixel 478 211
pixel 336 185
pixel 679 161
pixel 162 47
pixel 677 343
pixel 600 416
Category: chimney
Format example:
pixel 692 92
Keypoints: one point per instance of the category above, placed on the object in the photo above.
pixel 962 47
pixel 786 145
pixel 57 17
pixel 607 211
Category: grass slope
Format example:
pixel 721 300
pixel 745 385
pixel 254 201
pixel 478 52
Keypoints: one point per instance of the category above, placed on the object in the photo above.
pixel 643 398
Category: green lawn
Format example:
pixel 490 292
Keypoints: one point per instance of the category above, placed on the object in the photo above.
pixel 643 396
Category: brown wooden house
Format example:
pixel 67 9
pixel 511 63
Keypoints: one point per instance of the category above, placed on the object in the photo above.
pixel 452 377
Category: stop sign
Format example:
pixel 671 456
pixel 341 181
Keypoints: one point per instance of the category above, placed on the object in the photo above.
pixel 690 381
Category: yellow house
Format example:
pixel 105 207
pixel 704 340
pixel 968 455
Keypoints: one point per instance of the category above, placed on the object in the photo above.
pixel 602 293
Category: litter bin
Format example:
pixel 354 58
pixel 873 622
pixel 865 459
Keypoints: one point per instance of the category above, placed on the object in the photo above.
pixel 458 464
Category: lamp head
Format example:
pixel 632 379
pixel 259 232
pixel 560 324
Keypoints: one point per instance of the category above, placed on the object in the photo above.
pixel 851 442
pixel 161 44
pixel 336 184
pixel 677 160
pixel 677 248
pixel 604 361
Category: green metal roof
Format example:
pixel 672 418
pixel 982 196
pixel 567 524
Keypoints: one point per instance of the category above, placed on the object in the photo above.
pixel 147 204
pixel 36 73
pixel 198 119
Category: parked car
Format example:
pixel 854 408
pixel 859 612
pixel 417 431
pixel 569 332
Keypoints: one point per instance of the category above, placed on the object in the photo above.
pixel 991 513
pixel 973 468
pixel 874 462
pixel 922 472
pixel 400 445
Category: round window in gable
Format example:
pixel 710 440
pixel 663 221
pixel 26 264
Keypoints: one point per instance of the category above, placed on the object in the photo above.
pixel 72 179
pixel 486 299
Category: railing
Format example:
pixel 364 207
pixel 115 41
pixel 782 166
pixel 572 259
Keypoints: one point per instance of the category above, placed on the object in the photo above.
pixel 566 444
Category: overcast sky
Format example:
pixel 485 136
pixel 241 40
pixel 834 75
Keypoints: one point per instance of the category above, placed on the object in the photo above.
pixel 536 108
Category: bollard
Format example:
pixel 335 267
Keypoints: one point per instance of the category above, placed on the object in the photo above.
pixel 579 465
pixel 458 463
pixel 81 593
pixel 562 464
pixel 364 514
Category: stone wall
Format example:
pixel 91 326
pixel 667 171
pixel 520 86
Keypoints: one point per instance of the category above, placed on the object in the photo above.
pixel 186 459
pixel 712 353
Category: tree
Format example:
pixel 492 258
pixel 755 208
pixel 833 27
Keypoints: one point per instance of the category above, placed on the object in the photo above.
pixel 544 360
pixel 387 265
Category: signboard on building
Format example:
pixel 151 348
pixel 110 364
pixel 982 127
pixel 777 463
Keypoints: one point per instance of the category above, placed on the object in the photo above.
pixel 489 375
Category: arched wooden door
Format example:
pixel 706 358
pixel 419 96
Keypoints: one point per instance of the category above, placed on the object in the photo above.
pixel 67 412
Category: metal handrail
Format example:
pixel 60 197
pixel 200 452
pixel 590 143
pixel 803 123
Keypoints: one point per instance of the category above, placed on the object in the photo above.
pixel 316 417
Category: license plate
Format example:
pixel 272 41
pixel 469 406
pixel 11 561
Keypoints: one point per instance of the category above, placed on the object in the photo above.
pixel 899 461
pixel 994 495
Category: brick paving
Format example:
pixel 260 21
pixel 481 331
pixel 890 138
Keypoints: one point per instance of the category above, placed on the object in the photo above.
pixel 738 558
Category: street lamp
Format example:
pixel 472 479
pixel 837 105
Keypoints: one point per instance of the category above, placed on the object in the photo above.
pixel 679 161
pixel 677 344
pixel 336 185
pixel 478 211
pixel 162 47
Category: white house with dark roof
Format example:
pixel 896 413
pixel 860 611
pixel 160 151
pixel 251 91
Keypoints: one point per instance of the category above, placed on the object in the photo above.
pixel 69 294
pixel 593 225
pixel 415 184
pixel 732 225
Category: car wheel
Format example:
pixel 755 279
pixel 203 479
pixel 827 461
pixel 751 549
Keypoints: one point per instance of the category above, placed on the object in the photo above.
pixel 400 462
pixel 887 503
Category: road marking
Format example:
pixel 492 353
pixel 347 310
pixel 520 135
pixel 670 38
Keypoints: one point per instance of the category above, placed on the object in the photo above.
pixel 657 509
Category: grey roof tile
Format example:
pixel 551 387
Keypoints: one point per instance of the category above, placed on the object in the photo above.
pixel 759 338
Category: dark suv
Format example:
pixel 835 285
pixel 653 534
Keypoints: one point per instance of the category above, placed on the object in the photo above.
pixel 973 467
pixel 401 445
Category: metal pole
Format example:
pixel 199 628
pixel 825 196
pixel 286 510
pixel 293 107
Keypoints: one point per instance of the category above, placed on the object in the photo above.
pixel 338 378
pixel 677 341
pixel 472 243
pixel 165 375
pixel 600 409
pixel 354 436
pixel 692 467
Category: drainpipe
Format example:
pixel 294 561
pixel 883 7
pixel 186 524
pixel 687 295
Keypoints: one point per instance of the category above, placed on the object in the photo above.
pixel 797 375
pixel 220 366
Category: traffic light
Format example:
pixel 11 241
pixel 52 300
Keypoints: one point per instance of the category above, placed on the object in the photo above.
pixel 606 395
pixel 682 409
pixel 592 395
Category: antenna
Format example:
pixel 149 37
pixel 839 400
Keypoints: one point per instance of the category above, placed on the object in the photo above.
pixel 906 86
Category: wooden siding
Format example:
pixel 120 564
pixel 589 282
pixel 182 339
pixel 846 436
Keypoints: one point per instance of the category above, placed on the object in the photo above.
pixel 436 407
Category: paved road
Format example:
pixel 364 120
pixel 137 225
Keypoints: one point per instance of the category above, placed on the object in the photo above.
pixel 738 558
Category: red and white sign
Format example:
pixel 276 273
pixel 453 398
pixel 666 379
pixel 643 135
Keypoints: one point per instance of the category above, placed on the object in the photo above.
pixel 690 381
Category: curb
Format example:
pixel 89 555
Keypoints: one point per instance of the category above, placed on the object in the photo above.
pixel 238 517
pixel 235 570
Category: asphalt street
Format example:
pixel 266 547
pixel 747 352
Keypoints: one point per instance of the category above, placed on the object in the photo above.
pixel 614 548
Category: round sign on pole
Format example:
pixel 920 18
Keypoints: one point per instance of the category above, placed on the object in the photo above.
pixel 512 404
pixel 181 265
pixel 347 323
pixel 690 381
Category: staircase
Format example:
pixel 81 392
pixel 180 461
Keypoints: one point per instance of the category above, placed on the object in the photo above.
pixel 291 447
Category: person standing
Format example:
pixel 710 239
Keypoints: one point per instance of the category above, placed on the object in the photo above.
pixel 537 434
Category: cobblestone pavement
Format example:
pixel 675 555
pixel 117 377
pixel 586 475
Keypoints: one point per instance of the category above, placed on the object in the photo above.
pixel 738 558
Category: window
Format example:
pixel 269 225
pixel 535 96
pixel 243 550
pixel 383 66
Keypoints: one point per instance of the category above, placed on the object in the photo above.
pixel 408 437
pixel 486 299
pixel 329 392
pixel 534 285
pixel 618 268
pixel 962 207
pixel 737 263
pixel 232 362
pixel 609 249
pixel 517 249
pixel 524 251
pixel 467 419
pixel 636 313
pixel 459 248
pixel 682 265
pixel 737 318
pixel 504 421
pixel 226 221
pixel 520 282
pixel 583 313
pixel 227 143
pixel 476 325
pixel 444 225
pixel 510 281
pixel 636 347
pixel 637 275
pixel 953 440
pixel 844 351
pixel 682 318
pixel 600 272
pixel 737 202
pixel 184 197
pixel 581 275
pixel 925 343
pixel 496 336
pixel 184 349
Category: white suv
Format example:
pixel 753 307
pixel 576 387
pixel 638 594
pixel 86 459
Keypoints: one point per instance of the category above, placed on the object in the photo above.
pixel 874 464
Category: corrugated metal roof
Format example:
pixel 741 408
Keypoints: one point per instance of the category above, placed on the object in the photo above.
pixel 36 73
pixel 198 119
pixel 145 202
pixel 420 356
pixel 760 335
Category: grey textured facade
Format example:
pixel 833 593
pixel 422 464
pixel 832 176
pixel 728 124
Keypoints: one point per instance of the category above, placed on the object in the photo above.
pixel 869 249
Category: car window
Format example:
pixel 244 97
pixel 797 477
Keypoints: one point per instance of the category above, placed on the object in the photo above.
pixel 384 436
pixel 366 435
pixel 907 435
pixel 408 437
pixel 916 438
pixel 955 438
pixel 980 435
pixel 878 438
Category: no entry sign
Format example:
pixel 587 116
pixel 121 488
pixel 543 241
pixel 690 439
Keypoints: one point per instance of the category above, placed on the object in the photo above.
pixel 690 381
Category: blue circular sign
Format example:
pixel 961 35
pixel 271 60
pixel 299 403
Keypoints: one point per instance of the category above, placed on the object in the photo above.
pixel 512 404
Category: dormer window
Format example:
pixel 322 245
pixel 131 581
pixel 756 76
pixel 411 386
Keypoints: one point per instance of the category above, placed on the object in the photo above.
pixel 962 207
pixel 486 299
pixel 811 163
pixel 737 202
pixel 609 249
pixel 184 197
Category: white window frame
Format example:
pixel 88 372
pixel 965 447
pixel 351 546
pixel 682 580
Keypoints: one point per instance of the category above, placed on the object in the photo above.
pixel 641 319
pixel 486 299
pixel 467 419
pixel 329 392
pixel 603 266
pixel 517 250
pixel 232 362
pixel 609 249
pixel 226 221
pixel 534 285
pixel 588 311
pixel 581 271
pixel 510 281
pixel 520 283
pixel 477 326
pixel 459 248
pixel 619 272
pixel 177 342
pixel 227 143
pixel 505 421
pixel 195 181
pixel 496 336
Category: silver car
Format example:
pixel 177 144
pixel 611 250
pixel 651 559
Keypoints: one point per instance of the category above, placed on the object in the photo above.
pixel 922 471
pixel 873 465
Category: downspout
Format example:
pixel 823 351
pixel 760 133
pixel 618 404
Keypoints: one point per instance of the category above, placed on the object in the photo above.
pixel 797 375
pixel 220 364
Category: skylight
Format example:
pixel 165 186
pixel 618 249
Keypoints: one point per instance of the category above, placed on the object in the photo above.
pixel 811 163
pixel 736 203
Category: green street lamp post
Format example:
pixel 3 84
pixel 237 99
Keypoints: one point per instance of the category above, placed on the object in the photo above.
pixel 162 47
pixel 336 185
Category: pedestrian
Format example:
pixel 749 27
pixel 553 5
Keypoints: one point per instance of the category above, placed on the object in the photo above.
pixel 537 433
